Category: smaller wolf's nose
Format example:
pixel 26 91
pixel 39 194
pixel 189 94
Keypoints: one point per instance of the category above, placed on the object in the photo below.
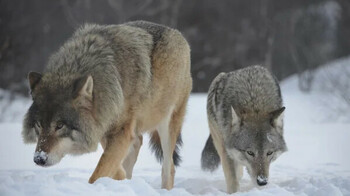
pixel 40 158
pixel 261 180
pixel 261 183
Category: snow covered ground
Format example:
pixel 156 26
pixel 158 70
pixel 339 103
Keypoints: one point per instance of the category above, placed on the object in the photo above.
pixel 317 163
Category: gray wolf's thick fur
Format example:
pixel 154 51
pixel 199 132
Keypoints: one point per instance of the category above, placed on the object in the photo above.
pixel 109 84
pixel 245 116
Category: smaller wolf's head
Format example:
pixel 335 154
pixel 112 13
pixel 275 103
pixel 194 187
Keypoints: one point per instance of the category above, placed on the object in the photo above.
pixel 255 143
pixel 60 118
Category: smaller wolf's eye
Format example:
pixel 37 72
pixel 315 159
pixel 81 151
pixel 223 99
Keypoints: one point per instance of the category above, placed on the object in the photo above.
pixel 59 125
pixel 250 153
pixel 269 153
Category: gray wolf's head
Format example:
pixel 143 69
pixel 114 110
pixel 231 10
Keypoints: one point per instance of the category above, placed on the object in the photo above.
pixel 257 142
pixel 61 117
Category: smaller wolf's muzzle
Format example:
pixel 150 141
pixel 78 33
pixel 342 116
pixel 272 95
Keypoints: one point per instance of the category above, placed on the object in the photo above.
pixel 261 180
pixel 40 158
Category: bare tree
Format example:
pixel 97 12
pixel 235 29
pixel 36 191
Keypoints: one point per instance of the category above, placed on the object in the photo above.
pixel 335 80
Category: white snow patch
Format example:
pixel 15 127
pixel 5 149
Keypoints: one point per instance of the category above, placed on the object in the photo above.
pixel 329 98
pixel 12 106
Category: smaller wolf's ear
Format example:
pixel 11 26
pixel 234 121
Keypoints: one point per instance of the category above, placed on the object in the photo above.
pixel 235 119
pixel 34 78
pixel 276 117
pixel 84 87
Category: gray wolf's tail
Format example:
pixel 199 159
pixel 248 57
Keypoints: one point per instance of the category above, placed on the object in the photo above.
pixel 210 158
pixel 157 148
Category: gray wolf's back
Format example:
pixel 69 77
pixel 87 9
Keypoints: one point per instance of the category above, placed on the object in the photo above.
pixel 156 30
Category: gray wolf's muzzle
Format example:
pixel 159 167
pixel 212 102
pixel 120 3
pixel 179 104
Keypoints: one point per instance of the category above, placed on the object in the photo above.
pixel 261 180
pixel 40 158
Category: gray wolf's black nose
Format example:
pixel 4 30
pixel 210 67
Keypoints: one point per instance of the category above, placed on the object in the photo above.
pixel 39 160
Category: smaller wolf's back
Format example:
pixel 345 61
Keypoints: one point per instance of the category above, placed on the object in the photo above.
pixel 251 91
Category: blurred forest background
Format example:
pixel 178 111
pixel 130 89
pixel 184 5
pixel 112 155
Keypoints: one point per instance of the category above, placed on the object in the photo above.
pixel 286 36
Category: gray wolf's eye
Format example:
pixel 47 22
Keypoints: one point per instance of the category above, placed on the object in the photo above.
pixel 269 153
pixel 250 153
pixel 59 126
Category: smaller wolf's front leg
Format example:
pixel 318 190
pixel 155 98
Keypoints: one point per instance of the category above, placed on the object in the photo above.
pixel 110 164
pixel 231 170
pixel 231 175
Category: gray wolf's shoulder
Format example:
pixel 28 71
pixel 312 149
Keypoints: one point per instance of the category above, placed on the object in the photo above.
pixel 89 46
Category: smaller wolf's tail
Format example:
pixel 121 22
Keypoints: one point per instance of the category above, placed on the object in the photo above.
pixel 210 158
pixel 156 147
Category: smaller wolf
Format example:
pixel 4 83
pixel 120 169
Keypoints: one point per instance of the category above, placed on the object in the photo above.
pixel 245 116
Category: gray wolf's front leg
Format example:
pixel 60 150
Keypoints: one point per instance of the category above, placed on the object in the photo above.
pixel 116 149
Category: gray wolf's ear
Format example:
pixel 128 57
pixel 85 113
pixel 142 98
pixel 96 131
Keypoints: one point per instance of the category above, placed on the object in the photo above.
pixel 34 78
pixel 84 87
pixel 28 132
pixel 276 117
pixel 235 119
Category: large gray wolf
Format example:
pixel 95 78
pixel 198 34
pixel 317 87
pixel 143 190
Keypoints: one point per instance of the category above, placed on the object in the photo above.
pixel 245 116
pixel 109 84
